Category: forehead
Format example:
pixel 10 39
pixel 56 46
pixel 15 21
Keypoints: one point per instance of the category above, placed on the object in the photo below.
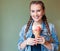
pixel 35 6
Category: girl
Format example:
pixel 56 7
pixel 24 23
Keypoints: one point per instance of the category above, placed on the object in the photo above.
pixel 47 40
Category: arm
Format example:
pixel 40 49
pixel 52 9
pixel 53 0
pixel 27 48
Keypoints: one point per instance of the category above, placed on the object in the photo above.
pixel 53 45
pixel 21 39
pixel 48 45
pixel 23 43
pixel 28 41
pixel 55 38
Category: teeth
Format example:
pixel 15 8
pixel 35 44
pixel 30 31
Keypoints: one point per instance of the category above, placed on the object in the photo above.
pixel 36 17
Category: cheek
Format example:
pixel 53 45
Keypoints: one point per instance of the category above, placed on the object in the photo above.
pixel 31 13
pixel 41 13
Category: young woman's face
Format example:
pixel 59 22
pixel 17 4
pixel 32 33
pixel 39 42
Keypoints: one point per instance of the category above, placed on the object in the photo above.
pixel 36 12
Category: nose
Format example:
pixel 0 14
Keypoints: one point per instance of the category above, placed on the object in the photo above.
pixel 35 13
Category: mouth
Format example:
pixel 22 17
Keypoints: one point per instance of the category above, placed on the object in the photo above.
pixel 37 17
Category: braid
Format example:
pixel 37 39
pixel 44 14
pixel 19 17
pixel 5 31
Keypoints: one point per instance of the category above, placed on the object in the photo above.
pixel 27 27
pixel 28 24
pixel 47 26
pixel 46 23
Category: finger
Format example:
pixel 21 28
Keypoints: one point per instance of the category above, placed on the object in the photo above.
pixel 39 40
pixel 33 43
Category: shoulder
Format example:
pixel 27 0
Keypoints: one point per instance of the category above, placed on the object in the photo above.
pixel 24 26
pixel 51 26
pixel 22 31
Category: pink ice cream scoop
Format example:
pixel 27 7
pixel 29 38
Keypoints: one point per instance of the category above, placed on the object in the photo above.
pixel 38 28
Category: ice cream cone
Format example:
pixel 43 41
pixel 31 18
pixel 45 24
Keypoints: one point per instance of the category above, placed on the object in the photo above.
pixel 36 34
pixel 36 31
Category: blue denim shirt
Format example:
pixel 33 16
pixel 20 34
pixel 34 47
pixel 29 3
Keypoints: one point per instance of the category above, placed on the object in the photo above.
pixel 44 33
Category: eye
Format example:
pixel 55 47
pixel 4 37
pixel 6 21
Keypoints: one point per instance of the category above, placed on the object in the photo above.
pixel 32 11
pixel 38 10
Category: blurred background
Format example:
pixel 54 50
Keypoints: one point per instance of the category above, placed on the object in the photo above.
pixel 15 13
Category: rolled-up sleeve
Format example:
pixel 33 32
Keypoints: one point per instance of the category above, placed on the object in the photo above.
pixel 21 38
pixel 55 38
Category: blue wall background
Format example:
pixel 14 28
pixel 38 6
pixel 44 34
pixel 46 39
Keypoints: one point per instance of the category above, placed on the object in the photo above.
pixel 15 13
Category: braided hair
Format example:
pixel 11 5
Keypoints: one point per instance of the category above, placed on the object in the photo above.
pixel 44 19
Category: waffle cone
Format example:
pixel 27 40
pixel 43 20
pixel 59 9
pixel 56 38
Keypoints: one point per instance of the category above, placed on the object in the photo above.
pixel 37 34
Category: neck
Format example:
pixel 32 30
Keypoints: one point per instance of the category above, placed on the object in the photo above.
pixel 38 22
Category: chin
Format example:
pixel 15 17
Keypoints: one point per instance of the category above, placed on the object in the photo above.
pixel 37 20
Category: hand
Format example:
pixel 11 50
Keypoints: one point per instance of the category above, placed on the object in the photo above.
pixel 40 40
pixel 31 41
